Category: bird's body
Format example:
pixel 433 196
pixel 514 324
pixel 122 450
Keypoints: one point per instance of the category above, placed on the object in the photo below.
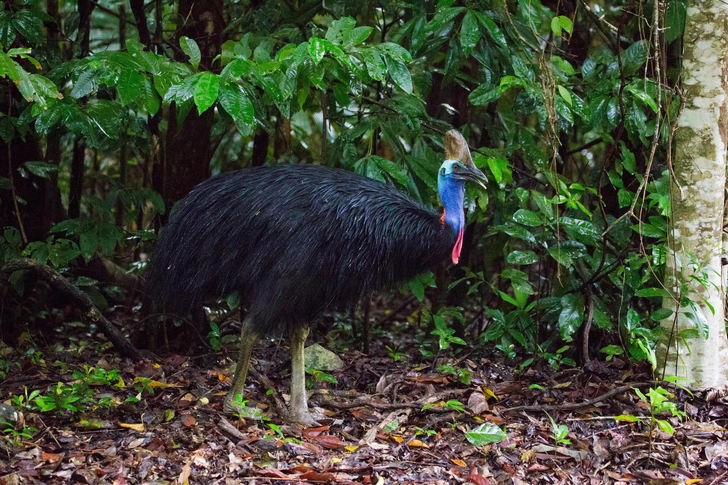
pixel 296 240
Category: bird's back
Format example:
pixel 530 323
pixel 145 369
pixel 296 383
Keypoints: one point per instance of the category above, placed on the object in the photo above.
pixel 294 240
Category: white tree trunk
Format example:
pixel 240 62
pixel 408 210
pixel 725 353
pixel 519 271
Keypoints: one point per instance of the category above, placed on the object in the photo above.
pixel 698 213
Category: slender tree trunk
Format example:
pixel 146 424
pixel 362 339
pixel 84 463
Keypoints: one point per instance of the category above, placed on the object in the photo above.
pixel 696 239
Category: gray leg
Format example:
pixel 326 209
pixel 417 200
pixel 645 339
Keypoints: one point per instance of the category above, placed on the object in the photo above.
pixel 298 408
pixel 248 340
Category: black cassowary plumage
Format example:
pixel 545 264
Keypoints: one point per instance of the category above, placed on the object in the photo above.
pixel 294 240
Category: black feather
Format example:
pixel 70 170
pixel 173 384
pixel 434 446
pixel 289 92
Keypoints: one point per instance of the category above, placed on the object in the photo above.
pixel 295 240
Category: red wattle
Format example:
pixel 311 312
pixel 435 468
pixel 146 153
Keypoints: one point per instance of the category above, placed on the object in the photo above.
pixel 458 246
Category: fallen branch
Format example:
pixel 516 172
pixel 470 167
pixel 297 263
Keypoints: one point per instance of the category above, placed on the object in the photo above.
pixel 578 405
pixel 75 297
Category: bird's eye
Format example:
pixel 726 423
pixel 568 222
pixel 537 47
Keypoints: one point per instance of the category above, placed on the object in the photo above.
pixel 455 168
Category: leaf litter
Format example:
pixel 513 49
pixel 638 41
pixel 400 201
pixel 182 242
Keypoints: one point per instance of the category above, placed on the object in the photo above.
pixel 387 421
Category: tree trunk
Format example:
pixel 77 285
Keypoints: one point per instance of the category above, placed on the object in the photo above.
pixel 698 203
pixel 188 152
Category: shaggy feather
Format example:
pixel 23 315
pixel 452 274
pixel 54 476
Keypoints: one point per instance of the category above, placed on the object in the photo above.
pixel 295 240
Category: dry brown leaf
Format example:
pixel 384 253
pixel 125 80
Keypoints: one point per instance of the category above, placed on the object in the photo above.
pixel 189 420
pixel 184 475
pixel 417 444
pixel 310 433
pixel 459 462
pixel 477 402
pixel 134 426
pixel 329 442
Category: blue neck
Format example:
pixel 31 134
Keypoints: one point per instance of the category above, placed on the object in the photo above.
pixel 452 194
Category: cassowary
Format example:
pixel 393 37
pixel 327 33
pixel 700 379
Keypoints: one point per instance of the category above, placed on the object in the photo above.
pixel 296 240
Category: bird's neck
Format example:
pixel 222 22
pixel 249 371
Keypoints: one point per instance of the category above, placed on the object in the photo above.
pixel 452 194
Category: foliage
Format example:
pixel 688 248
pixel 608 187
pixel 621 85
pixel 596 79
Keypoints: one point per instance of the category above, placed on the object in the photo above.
pixel 572 233
pixel 485 434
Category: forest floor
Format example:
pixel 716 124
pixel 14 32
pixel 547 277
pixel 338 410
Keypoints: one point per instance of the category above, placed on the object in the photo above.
pixel 391 418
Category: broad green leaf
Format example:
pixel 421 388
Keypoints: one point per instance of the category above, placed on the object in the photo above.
pixel 627 417
pixel 581 230
pixel 395 51
pixel 400 74
pixel 522 257
pixel 357 36
pixel 376 68
pixel 236 103
pixel 564 93
pixel 567 252
pixel 88 241
pixel 85 84
pixel 566 23
pixel 642 96
pixel 206 90
pixel 316 49
pixel 635 56
pixel 9 67
pixel 485 434
pixel 571 315
pixel 190 47
pixel 469 32
pixel 661 314
pixel 527 218
pixel 29 25
pixel 516 231
pixel 339 29
pixel 653 292
pixel 484 94
pixel 492 29
pixel 129 86
pixel 41 169
pixel 556 26
pixel 675 15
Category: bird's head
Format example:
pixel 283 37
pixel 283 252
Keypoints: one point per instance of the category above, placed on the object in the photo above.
pixel 457 168
pixel 458 164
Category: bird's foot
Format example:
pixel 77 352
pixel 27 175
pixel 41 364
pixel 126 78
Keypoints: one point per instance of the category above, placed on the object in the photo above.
pixel 305 417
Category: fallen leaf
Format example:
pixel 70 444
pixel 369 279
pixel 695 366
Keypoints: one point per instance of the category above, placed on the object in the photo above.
pixel 398 439
pixel 51 457
pixel 477 402
pixel 488 393
pixel 189 420
pixel 459 462
pixel 329 442
pixel 184 475
pixel 476 478
pixel 134 426
pixel 310 433
pixel 351 448
pixel 417 444
pixel 691 481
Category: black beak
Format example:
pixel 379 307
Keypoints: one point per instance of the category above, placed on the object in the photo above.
pixel 474 174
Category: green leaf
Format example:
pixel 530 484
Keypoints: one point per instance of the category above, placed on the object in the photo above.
pixel 665 426
pixel 469 32
pixel 485 434
pixel 564 93
pixel 522 257
pixel 675 15
pixel 129 86
pixel 357 36
pixel 85 84
pixel 236 103
pixel 642 96
pixel 9 67
pixel 527 218
pixel 316 49
pixel 492 29
pixel 516 231
pixel 190 47
pixel 567 252
pixel 566 23
pixel 376 68
pixel 206 90
pixel 653 292
pixel 581 230
pixel 400 74
pixel 661 314
pixel 484 94
pixel 556 26
pixel 41 169
pixel 339 29
pixel 571 315
pixel 88 242
pixel 29 25
pixel 627 417
pixel 395 51
pixel 635 56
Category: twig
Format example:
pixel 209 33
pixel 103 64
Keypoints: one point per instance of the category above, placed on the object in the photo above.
pixel 578 405
pixel 76 297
